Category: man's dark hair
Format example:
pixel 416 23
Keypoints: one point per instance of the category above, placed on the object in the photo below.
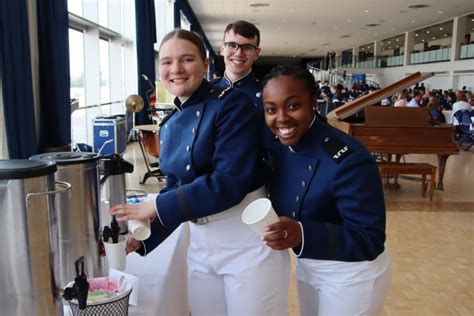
pixel 245 29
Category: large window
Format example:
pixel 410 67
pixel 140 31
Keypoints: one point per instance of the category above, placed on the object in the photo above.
pixel 102 59
pixel 76 62
pixel 104 71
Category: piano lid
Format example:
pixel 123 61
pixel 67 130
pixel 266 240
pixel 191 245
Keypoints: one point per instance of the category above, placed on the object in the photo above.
pixel 358 104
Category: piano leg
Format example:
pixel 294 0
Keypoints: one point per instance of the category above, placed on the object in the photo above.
pixel 442 159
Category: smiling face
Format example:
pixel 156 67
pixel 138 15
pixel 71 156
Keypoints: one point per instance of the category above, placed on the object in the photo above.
pixel 238 64
pixel 288 108
pixel 181 67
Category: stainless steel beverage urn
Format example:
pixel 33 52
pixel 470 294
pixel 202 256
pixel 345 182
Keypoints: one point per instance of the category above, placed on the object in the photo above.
pixel 78 213
pixel 29 268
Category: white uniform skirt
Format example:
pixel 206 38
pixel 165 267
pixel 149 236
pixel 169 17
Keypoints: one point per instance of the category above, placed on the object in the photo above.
pixel 231 271
pixel 340 288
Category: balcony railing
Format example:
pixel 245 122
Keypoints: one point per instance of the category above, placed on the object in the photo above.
pixel 467 51
pixel 443 54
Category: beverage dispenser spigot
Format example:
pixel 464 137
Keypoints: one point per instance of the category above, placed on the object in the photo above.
pixel 80 288
pixel 111 232
pixel 113 169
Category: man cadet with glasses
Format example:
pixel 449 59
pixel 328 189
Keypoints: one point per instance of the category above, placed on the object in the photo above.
pixel 240 49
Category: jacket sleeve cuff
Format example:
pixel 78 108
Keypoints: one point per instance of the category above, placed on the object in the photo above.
pixel 299 250
pixel 142 250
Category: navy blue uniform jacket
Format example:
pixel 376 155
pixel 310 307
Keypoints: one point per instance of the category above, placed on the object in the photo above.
pixel 249 84
pixel 209 152
pixel 330 184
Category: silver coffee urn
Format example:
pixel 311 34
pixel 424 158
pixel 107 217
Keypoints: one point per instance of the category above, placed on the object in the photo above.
pixel 29 268
pixel 78 213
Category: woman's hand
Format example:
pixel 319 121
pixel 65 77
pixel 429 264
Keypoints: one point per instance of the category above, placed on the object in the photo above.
pixel 132 245
pixel 140 211
pixel 284 234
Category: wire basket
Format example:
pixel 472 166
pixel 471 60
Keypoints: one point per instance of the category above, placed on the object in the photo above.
pixel 116 306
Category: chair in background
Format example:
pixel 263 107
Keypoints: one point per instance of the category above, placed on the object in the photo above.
pixel 465 129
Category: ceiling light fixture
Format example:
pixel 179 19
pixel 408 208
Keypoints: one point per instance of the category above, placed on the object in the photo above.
pixel 366 11
pixel 413 21
pixel 259 5
pixel 418 6
pixel 440 12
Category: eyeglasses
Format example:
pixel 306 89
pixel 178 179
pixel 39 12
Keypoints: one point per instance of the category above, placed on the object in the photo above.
pixel 247 49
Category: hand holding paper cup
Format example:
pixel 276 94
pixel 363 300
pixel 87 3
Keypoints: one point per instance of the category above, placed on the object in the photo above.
pixel 259 214
pixel 140 229
pixel 115 253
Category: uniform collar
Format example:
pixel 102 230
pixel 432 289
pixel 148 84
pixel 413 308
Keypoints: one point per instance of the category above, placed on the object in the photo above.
pixel 196 97
pixel 307 137
pixel 248 76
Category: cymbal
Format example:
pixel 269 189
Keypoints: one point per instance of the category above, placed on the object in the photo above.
pixel 134 103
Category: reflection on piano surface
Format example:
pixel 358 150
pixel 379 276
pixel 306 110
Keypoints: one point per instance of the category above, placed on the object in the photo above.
pixel 400 130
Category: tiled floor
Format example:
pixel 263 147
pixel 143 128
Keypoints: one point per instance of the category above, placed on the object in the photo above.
pixel 431 243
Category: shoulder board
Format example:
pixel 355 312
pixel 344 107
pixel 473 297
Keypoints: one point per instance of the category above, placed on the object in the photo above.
pixel 167 117
pixel 336 148
pixel 219 93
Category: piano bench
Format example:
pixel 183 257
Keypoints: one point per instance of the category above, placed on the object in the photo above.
pixel 423 169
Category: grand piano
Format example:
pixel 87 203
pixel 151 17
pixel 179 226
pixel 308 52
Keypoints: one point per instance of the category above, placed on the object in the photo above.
pixel 397 130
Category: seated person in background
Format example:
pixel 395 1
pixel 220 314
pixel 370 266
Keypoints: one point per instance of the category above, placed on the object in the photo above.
pixel 402 99
pixel 336 224
pixel 426 97
pixel 461 104
pixel 450 100
pixel 470 99
pixel 436 110
pixel 415 102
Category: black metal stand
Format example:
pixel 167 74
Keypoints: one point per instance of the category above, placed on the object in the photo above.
pixel 156 172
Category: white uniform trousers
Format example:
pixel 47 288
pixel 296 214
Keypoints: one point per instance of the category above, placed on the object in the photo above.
pixel 232 272
pixel 336 288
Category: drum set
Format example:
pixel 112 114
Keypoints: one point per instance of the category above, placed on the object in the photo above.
pixel 148 136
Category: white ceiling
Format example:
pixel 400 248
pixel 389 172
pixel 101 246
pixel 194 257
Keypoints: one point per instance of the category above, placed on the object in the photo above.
pixel 309 28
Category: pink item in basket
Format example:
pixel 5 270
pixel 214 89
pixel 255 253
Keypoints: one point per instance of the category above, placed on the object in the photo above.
pixel 104 284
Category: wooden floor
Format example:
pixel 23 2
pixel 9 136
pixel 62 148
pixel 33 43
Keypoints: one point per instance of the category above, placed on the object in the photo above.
pixel 431 243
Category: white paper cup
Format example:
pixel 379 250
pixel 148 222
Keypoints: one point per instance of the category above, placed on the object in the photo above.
pixel 140 229
pixel 116 254
pixel 259 214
